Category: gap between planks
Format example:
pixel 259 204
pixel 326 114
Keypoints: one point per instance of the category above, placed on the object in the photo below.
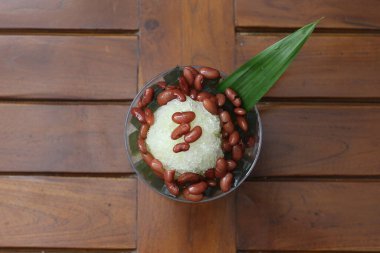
pixel 69 174
pixel 316 178
pixel 69 32
pixel 329 31
pixel 58 250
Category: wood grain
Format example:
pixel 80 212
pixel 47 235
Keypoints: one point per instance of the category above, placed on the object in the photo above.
pixel 341 66
pixel 320 140
pixel 63 138
pixel 309 216
pixel 348 14
pixel 180 227
pixel 196 32
pixel 67 212
pixel 68 67
pixel 69 14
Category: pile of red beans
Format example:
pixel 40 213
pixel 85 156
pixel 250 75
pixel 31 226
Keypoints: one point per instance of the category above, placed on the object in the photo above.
pixel 191 84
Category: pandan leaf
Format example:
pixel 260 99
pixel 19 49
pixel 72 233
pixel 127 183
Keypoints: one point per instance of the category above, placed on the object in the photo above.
pixel 132 138
pixel 254 78
pixel 171 78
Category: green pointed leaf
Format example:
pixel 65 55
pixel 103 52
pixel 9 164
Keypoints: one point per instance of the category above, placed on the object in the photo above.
pixel 254 78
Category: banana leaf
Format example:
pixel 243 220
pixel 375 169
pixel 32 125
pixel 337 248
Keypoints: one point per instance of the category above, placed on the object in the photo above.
pixel 254 78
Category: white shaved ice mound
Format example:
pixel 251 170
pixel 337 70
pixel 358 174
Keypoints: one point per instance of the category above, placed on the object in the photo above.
pixel 203 152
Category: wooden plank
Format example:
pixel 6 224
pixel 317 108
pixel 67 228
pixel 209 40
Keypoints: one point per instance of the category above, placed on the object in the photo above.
pixel 184 38
pixel 320 140
pixel 348 14
pixel 328 66
pixel 208 227
pixel 309 216
pixel 69 14
pixel 63 138
pixel 54 212
pixel 68 67
pixel 63 251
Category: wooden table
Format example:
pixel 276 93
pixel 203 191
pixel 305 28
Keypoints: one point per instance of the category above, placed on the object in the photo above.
pixel 69 69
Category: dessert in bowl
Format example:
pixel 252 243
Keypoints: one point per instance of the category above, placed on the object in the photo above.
pixel 188 141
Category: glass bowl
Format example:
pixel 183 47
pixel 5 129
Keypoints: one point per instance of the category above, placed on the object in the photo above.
pixel 144 173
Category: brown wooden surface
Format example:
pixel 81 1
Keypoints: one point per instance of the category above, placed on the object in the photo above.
pixel 65 181
pixel 183 37
pixel 328 66
pixel 185 41
pixel 67 212
pixel 182 227
pixel 63 138
pixel 68 67
pixel 69 14
pixel 347 14
pixel 308 216
pixel 320 140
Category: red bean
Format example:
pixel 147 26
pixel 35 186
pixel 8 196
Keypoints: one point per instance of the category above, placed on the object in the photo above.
pixel 147 97
pixel 180 131
pixel 197 188
pixel 211 182
pixel 180 147
pixel 192 197
pixel 209 73
pixel 237 152
pixel 226 182
pixel 140 104
pixel 179 95
pixel 251 141
pixel 236 102
pixel 210 173
pixel 193 94
pixel 192 70
pixel 170 87
pixel 188 76
pixel 231 165
pixel 198 83
pixel 183 117
pixel 229 127
pixel 149 116
pixel 234 138
pixel 203 95
pixel 224 133
pixel 164 97
pixel 225 116
pixel 141 145
pixel 226 147
pixel 161 84
pixel 188 177
pixel 230 94
pixel 242 122
pixel 147 157
pixel 184 86
pixel 172 188
pixel 157 167
pixel 144 131
pixel 194 134
pixel 240 111
pixel 210 106
pixel 139 114
pixel 169 176
pixel 220 168
pixel 221 99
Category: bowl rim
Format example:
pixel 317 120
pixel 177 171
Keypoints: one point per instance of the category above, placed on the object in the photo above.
pixel 140 177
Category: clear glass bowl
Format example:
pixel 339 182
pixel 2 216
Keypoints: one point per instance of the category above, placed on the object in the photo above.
pixel 244 168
